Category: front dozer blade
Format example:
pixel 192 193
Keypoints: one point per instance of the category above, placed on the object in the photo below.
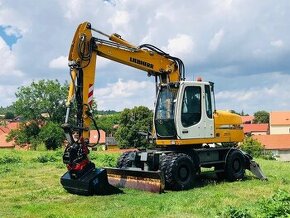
pixel 152 181
pixel 93 182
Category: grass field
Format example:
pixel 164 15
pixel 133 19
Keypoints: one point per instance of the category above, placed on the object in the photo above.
pixel 30 187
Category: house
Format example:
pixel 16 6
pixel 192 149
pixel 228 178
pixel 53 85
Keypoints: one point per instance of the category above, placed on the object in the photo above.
pixel 256 129
pixel 94 137
pixel 247 119
pixel 280 122
pixel 278 144
pixel 3 143
pixel 111 143
pixel 4 130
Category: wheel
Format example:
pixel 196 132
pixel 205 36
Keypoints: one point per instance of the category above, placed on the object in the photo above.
pixel 235 166
pixel 179 171
pixel 124 160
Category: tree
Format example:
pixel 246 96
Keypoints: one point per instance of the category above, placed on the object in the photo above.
pixel 42 103
pixel 45 97
pixel 9 115
pixel 107 122
pixel 131 122
pixel 26 134
pixel 52 135
pixel 261 117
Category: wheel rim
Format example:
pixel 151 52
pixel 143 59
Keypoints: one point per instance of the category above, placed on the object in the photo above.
pixel 183 173
pixel 237 165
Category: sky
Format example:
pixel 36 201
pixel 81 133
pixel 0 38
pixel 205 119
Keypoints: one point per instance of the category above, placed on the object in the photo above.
pixel 243 46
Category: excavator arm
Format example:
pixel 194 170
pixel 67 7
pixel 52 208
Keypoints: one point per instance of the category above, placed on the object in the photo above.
pixel 82 61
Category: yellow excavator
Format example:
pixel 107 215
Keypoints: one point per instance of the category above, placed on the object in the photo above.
pixel 188 132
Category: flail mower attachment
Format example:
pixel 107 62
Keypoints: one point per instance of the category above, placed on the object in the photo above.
pixel 152 181
pixel 93 182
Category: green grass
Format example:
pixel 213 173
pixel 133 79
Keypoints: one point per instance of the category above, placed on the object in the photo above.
pixel 30 187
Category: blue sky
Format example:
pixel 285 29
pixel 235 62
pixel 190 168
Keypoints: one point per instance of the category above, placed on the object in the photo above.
pixel 9 39
pixel 241 45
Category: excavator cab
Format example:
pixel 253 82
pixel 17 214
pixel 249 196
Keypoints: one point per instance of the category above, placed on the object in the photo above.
pixel 185 110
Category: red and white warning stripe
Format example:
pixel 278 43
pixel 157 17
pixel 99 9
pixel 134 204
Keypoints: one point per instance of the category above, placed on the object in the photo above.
pixel 90 95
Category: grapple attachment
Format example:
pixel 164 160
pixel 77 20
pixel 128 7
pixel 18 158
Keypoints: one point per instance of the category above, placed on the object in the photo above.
pixel 152 181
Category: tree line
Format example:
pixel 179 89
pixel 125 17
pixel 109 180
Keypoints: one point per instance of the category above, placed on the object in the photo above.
pixel 42 108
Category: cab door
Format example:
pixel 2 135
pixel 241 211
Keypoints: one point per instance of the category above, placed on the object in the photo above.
pixel 194 112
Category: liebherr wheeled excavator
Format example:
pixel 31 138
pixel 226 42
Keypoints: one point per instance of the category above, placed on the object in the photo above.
pixel 188 132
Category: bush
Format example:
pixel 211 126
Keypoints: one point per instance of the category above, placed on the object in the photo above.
pixel 252 147
pixel 234 212
pixel 268 155
pixel 104 160
pixel 9 159
pixel 46 158
pixel 277 206
pixel 52 135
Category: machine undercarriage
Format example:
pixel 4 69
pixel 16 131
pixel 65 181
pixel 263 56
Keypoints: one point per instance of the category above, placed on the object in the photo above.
pixel 159 169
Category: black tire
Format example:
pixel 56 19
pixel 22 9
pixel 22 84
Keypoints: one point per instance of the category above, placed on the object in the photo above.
pixel 235 166
pixel 179 171
pixel 124 160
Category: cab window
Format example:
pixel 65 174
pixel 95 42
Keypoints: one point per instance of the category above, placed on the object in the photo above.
pixel 191 106
pixel 208 103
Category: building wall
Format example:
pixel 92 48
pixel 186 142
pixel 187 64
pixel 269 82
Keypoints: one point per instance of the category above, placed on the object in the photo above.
pixel 259 133
pixel 283 155
pixel 279 130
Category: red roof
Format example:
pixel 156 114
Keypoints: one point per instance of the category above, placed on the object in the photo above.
pixel 247 119
pixel 4 130
pixel 94 137
pixel 13 125
pixel 8 127
pixel 248 128
pixel 3 143
pixel 280 118
pixel 274 142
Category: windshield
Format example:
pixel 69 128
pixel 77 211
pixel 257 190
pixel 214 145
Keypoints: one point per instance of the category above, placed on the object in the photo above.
pixel 164 114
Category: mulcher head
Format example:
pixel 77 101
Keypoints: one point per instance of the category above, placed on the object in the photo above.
pixel 93 182
pixel 152 181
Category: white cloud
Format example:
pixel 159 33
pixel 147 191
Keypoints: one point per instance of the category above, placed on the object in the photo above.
pixel 122 94
pixel 16 23
pixel 180 46
pixel 120 20
pixel 216 40
pixel 59 63
pixel 219 38
pixel 7 94
pixel 8 62
pixel 278 43
pixel 270 97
